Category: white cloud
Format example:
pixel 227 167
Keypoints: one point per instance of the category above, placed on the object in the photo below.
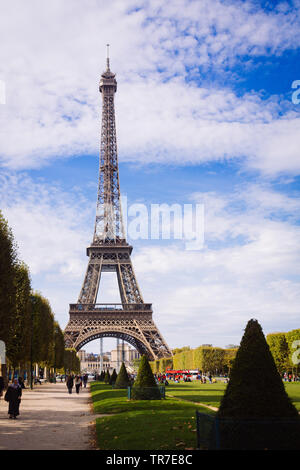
pixel 48 224
pixel 51 62
pixel 209 295
pixel 248 268
pixel 54 54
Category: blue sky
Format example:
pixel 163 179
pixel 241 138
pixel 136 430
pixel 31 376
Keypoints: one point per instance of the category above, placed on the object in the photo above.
pixel 204 115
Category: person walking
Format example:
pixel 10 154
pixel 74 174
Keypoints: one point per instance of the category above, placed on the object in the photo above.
pixel 21 382
pixel 13 396
pixel 85 379
pixel 78 383
pixel 70 383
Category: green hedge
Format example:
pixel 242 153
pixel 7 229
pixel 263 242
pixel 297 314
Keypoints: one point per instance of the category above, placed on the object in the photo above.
pixel 204 358
pixel 210 359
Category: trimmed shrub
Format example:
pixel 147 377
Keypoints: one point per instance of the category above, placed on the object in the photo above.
pixel 255 408
pixel 101 376
pixel 122 378
pixel 113 377
pixel 107 377
pixel 145 387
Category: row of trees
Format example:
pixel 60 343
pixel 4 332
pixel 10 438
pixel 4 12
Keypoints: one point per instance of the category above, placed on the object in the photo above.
pixel 120 380
pixel 27 324
pixel 204 358
pixel 285 348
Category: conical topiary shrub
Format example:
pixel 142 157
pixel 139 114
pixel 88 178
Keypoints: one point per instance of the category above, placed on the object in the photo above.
pixel 113 377
pixel 122 379
pixel 102 376
pixel 255 408
pixel 145 387
pixel 107 377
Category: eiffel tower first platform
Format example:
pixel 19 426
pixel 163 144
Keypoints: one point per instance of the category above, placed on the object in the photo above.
pixel 130 320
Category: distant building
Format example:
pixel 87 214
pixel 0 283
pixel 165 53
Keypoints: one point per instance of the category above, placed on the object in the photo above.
pixel 90 362
pixel 126 355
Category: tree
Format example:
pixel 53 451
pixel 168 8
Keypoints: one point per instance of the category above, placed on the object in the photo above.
pixel 19 351
pixel 136 363
pixel 26 318
pixel 8 260
pixel 179 350
pixel 107 377
pixel 71 361
pixel 293 340
pixel 113 377
pixel 229 357
pixel 122 379
pixel 280 350
pixel 42 329
pixel 256 393
pixel 209 359
pixel 212 359
pixel 57 361
pixel 183 359
pixel 102 376
pixel 145 387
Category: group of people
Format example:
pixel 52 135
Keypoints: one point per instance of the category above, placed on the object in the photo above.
pixel 76 380
pixel 290 377
pixel 186 377
pixel 13 393
pixel 161 379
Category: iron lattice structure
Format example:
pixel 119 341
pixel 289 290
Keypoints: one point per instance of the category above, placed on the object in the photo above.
pixel 130 320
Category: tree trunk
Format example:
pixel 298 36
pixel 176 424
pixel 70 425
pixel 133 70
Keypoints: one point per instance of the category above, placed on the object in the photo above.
pixel 4 375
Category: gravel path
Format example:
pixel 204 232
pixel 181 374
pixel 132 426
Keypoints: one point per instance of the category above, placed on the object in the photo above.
pixel 50 418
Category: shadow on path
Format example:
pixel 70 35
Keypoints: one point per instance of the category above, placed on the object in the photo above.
pixel 49 419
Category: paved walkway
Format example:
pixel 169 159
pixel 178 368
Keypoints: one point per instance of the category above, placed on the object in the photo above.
pixel 50 418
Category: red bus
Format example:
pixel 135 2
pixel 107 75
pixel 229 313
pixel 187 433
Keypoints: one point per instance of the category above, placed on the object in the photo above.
pixel 182 373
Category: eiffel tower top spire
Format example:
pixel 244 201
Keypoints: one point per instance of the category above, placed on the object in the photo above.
pixel 107 59
pixel 109 227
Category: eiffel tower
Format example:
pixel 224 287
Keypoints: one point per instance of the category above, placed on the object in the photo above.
pixel 130 320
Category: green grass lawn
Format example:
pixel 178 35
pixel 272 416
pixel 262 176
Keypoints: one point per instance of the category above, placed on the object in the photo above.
pixel 293 390
pixel 157 424
pixel 208 394
pixel 143 424
pixel 211 394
